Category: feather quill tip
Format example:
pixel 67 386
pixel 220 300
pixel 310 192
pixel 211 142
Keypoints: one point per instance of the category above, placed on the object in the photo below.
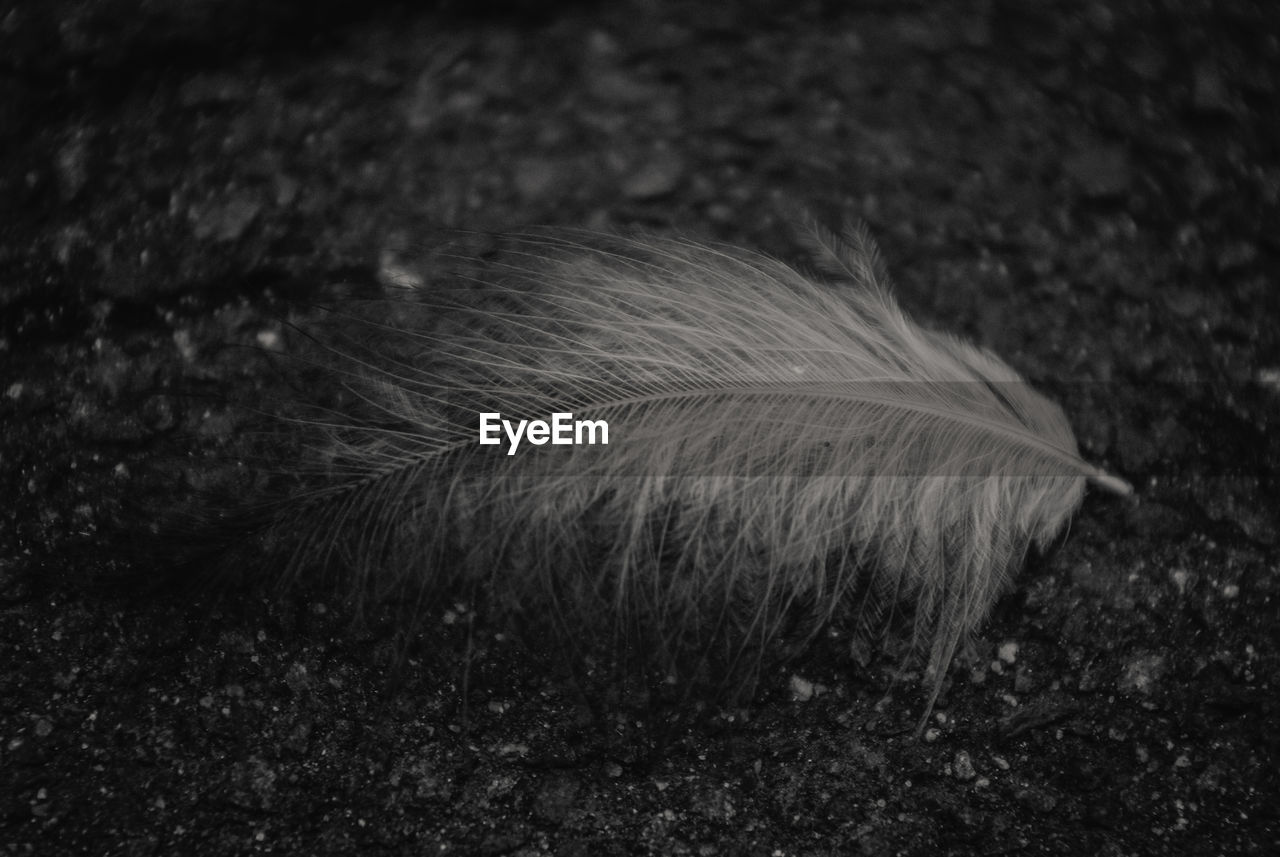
pixel 1114 484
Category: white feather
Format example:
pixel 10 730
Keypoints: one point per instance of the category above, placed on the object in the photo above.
pixel 783 453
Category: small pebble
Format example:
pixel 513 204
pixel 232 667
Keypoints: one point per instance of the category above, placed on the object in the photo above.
pixel 1269 378
pixel 803 690
pixel 72 166
pixel 1008 652
pixel 1142 674
pixel 226 221
pixel 656 177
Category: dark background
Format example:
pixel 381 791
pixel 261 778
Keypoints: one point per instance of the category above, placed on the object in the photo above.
pixel 1090 190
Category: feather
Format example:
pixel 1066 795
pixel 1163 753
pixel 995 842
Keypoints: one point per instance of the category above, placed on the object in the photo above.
pixel 782 453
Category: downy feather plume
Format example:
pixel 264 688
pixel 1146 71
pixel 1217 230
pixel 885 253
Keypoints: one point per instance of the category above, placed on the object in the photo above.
pixel 782 453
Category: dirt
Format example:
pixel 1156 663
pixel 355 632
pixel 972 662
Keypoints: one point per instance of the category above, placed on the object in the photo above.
pixel 1091 192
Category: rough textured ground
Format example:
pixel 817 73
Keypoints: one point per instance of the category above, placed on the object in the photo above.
pixel 1090 191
